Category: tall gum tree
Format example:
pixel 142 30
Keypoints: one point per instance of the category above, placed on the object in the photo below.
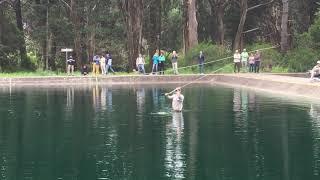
pixel 218 7
pixel 22 45
pixel 190 31
pixel 133 15
pixel 244 9
pixel 284 26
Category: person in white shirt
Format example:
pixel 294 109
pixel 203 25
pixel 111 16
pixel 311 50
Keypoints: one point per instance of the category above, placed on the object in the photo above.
pixel 315 72
pixel 140 62
pixel 177 99
pixel 244 59
pixel 103 65
pixel 237 61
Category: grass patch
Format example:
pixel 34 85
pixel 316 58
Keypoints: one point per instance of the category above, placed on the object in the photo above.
pixel 228 68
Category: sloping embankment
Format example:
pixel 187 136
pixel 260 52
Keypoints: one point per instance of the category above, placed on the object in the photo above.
pixel 276 83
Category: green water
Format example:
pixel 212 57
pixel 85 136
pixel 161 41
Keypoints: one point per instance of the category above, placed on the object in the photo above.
pixel 118 133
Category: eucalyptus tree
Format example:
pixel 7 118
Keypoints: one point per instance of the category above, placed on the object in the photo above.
pixel 190 31
pixel 133 15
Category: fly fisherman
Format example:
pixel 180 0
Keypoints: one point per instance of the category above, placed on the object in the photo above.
pixel 177 99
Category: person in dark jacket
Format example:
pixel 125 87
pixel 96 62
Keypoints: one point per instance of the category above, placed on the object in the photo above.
pixel 84 70
pixel 71 62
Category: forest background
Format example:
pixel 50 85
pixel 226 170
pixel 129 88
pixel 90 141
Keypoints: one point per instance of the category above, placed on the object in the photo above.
pixel 33 32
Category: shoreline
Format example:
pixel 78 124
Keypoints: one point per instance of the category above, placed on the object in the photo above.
pixel 275 83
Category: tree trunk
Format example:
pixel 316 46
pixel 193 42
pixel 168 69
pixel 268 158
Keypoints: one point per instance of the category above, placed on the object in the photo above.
pixel 54 51
pixel 22 44
pixel 47 37
pixel 134 19
pixel 91 37
pixel 220 14
pixel 77 35
pixel 152 24
pixel 243 16
pixel 218 8
pixel 190 34
pixel 2 24
pixel 159 24
pixel 284 26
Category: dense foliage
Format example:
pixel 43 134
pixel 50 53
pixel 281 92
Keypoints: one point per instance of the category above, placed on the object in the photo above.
pixel 126 28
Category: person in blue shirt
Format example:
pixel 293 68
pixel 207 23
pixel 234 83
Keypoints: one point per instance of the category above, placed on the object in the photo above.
pixel 109 63
pixel 155 61
pixel 162 59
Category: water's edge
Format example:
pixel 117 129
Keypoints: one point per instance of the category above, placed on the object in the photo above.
pixel 268 82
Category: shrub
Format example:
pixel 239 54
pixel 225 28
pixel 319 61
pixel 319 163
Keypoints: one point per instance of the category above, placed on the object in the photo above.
pixel 301 59
pixel 212 53
pixel 270 57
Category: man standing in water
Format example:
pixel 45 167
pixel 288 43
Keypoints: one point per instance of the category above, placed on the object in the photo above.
pixel 177 99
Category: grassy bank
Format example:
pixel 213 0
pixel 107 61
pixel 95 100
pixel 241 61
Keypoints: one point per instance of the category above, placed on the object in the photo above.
pixel 192 70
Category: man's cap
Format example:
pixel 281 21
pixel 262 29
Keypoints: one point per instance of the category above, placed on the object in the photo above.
pixel 244 50
pixel 318 62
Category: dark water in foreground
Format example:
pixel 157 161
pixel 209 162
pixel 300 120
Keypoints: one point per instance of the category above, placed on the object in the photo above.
pixel 117 133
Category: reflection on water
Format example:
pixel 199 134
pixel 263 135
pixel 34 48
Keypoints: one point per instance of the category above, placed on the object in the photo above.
pixel 175 160
pixel 113 133
pixel 315 116
pixel 141 98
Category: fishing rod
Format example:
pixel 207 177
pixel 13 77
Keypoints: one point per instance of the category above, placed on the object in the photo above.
pixel 192 82
pixel 222 59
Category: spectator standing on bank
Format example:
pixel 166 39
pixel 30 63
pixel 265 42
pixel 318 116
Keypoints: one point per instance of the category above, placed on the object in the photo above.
pixel 84 70
pixel 315 72
pixel 244 59
pixel 251 62
pixel 140 62
pixel 174 61
pixel 257 61
pixel 155 62
pixel 162 60
pixel 71 62
pixel 103 65
pixel 109 64
pixel 96 65
pixel 237 61
pixel 201 60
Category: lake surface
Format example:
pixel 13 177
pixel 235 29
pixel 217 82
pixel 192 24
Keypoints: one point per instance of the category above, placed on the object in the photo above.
pixel 130 133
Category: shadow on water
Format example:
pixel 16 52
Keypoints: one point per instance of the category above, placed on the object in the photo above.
pixel 105 132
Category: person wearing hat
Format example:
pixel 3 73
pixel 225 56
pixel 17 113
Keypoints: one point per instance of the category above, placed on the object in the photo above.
pixel 244 59
pixel 71 62
pixel 177 99
pixel 237 61
pixel 315 72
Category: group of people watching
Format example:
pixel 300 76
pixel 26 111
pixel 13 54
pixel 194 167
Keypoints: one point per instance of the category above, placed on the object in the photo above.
pixel 103 62
pixel 248 62
pixel 158 63
pixel 99 62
